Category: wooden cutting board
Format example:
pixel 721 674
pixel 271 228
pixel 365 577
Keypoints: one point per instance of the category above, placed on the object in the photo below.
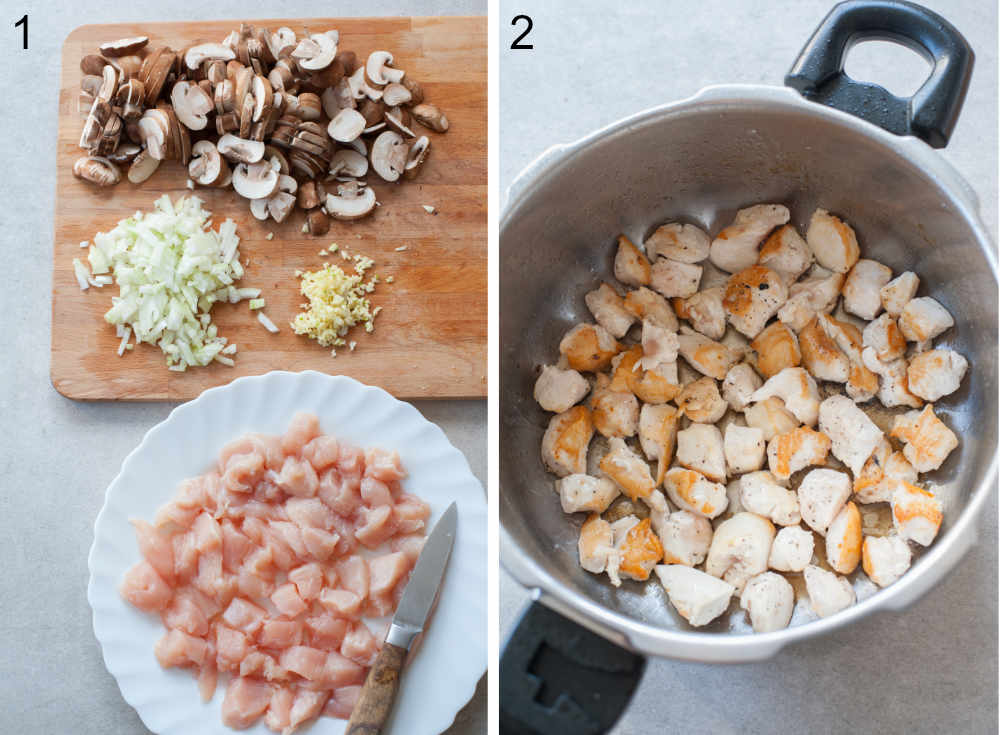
pixel 430 338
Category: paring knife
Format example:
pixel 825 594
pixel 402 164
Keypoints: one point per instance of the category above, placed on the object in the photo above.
pixel 377 695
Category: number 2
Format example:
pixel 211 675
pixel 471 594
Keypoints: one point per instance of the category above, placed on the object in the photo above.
pixel 23 22
pixel 517 41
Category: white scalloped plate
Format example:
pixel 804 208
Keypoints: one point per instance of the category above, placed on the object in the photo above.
pixel 442 674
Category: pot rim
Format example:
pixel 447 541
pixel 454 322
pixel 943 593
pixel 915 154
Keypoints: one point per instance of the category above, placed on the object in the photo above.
pixel 935 562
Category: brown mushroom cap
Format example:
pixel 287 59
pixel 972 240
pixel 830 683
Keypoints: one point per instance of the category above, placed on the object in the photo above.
pixel 97 170
pixel 123 46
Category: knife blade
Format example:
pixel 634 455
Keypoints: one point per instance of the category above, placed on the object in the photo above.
pixel 418 596
pixel 374 705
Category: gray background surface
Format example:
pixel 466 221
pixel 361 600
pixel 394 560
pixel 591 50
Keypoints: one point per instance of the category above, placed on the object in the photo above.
pixel 58 456
pixel 930 670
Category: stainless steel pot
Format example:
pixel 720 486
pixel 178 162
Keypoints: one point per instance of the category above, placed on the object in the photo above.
pixel 701 159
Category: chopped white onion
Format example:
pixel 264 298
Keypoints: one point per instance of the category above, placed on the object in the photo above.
pixel 268 324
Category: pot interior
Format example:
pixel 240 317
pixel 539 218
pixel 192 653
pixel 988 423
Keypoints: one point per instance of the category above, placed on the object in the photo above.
pixel 700 162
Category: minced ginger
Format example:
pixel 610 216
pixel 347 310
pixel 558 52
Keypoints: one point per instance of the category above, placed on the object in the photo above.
pixel 337 302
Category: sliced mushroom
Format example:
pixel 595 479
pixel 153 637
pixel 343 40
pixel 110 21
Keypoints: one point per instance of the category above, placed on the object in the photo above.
pixel 337 98
pixel 317 222
pixel 123 46
pixel 255 180
pixel 97 170
pixel 395 122
pixel 389 154
pixel 154 134
pixel 282 42
pixel 347 162
pixel 360 87
pixel 207 167
pixel 142 167
pixel 263 97
pixel 128 66
pixel 191 105
pixel 379 71
pixel 238 149
pixel 196 55
pixel 350 202
pixel 415 90
pixel 92 64
pixel 316 52
pixel 310 107
pixel 430 117
pixel 346 126
pixel 124 154
pixel 396 94
pixel 311 195
pixel 414 159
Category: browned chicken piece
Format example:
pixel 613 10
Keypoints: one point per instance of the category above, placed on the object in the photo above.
pixel 739 384
pixel 706 356
pixel 810 296
pixel 692 491
pixel 701 401
pixel 927 439
pixel 786 253
pixel 923 319
pixel 884 337
pixel 609 310
pixel 658 435
pixel 821 356
pixel 700 447
pixel 862 288
pixel 800 448
pixel 614 413
pixel 557 390
pixel 674 279
pixel 659 345
pixel 631 266
pixel 650 386
pixel 777 348
pixel 936 373
pixel 771 417
pixel 681 242
pixel 704 311
pixel 647 305
pixel 896 294
pixel 832 241
pixel 881 473
pixel 752 297
pixel 862 383
pixel 589 347
pixel 797 391
pixel 736 247
pixel 629 471
pixel 566 440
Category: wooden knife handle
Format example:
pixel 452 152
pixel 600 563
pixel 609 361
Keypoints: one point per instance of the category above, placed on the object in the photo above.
pixel 377 695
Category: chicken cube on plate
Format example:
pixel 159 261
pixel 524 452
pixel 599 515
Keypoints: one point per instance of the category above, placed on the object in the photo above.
pixel 752 297
pixel 936 373
pixel 814 295
pixel 832 241
pixel 685 537
pixel 609 310
pixel 627 469
pixel 692 491
pixel 791 550
pixel 797 391
pixel 885 558
pixel 829 593
pixel 673 279
pixel 843 540
pixel 700 447
pixel 565 442
pixel 658 435
pixel 584 492
pixel 614 413
pixel 822 493
pixel 659 345
pixel 699 598
pixel 769 600
pixel 777 348
pixel 681 242
pixel 795 450
pixel 639 550
pixel 701 401
pixel 862 289
pixel 596 544
pixel 916 513
pixel 589 347
pixel 771 417
pixel 739 384
pixel 760 493
pixel 923 318
pixel 927 441
pixel 704 311
pixel 647 305
pixel 880 474
pixel 820 354
pixel 786 253
pixel 740 548
pixel 896 294
pixel 853 435
pixel 744 447
pixel 558 390
pixel 884 337
pixel 631 265
pixel 736 246
pixel 708 357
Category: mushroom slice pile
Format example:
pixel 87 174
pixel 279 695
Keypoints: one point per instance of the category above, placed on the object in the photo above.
pixel 731 383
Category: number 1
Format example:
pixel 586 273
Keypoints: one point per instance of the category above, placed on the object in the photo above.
pixel 23 22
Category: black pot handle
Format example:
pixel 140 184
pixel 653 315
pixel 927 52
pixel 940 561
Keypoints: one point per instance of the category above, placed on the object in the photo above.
pixel 931 113
pixel 557 677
